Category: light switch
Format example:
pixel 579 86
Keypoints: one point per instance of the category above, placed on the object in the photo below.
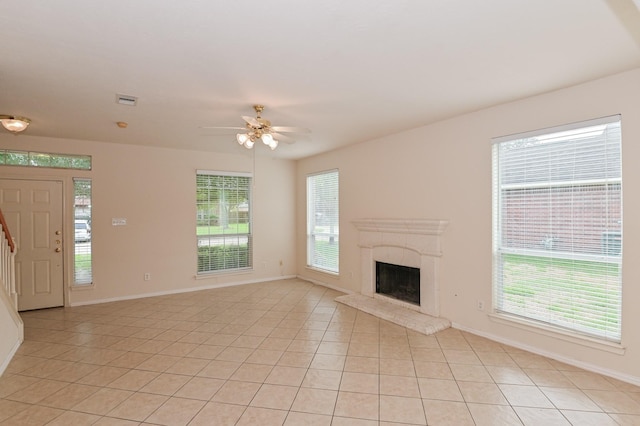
pixel 119 221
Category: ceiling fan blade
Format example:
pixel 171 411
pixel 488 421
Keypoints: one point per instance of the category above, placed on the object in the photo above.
pixel 252 121
pixel 283 138
pixel 286 129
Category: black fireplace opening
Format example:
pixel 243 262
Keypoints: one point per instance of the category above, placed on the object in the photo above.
pixel 399 282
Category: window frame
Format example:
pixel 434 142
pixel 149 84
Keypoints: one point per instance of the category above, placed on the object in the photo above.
pixel 580 256
pixel 334 232
pixel 17 158
pixel 242 259
pixel 86 216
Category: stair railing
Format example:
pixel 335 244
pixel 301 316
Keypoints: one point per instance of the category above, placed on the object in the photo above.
pixel 7 263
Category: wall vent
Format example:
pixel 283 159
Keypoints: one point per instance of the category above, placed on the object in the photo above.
pixel 126 100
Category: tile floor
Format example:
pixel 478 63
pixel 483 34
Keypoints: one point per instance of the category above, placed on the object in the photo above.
pixel 279 353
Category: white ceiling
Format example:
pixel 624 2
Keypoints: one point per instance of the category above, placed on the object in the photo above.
pixel 349 70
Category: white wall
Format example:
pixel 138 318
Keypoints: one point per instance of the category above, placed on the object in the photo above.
pixel 11 330
pixel 154 189
pixel 443 171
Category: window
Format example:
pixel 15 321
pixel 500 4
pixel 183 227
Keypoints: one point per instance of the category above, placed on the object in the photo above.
pixel 557 229
pixel 82 265
pixel 323 225
pixel 44 159
pixel 223 221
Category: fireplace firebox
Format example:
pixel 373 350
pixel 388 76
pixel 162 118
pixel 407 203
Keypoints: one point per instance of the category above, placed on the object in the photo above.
pixel 399 282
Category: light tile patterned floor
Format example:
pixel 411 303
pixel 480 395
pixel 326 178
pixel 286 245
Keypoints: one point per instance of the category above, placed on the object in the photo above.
pixel 279 353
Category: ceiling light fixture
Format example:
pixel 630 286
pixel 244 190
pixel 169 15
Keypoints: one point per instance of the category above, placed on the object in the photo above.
pixel 14 124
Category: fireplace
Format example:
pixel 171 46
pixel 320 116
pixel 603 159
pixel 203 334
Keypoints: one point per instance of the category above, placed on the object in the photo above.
pixel 399 282
pixel 411 243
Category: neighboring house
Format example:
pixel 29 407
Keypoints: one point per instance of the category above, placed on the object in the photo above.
pixel 545 217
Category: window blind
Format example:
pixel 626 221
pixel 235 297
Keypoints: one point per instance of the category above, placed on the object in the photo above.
pixel 223 221
pixel 557 227
pixel 323 224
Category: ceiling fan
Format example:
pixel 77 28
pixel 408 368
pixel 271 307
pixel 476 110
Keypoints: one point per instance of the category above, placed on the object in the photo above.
pixel 261 128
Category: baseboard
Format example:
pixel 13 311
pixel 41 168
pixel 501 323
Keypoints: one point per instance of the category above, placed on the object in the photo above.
pixel 585 366
pixel 332 287
pixel 181 290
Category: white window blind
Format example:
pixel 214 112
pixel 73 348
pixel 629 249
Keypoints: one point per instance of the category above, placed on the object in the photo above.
pixel 323 224
pixel 223 221
pixel 557 227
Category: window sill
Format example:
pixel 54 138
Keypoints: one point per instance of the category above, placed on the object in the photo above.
pixel 82 287
pixel 550 331
pixel 216 274
pixel 324 271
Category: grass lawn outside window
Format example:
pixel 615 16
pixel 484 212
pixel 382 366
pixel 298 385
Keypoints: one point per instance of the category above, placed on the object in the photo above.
pixel 526 289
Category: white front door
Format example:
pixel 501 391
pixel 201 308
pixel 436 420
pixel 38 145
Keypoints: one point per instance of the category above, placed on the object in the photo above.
pixel 33 210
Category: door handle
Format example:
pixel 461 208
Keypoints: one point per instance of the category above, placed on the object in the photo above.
pixel 58 249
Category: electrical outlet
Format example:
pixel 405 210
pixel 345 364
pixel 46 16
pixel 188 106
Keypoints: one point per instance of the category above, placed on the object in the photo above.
pixel 147 276
pixel 481 305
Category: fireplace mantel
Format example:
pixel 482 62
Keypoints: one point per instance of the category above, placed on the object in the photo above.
pixel 407 242
pixel 402 226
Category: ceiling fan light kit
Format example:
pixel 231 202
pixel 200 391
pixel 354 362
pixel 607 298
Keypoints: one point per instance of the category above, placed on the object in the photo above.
pixel 14 124
pixel 248 139
pixel 259 128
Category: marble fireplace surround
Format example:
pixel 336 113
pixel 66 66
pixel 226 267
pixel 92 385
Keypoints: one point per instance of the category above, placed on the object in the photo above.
pixel 407 242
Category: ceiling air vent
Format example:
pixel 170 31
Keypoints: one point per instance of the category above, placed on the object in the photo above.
pixel 126 100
